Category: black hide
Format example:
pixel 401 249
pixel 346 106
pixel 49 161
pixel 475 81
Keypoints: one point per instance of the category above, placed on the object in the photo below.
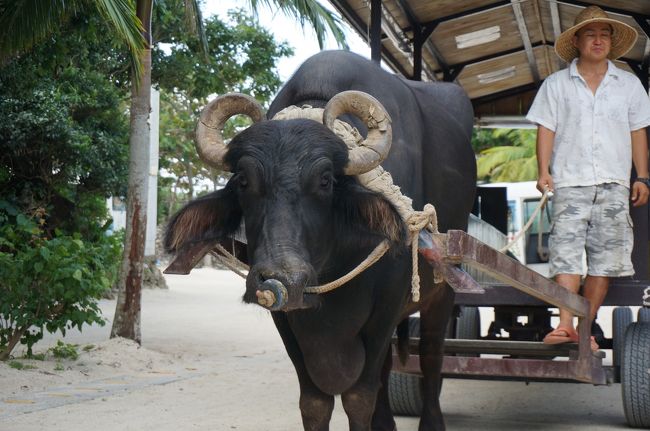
pixel 308 224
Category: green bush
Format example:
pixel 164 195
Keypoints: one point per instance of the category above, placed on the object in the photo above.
pixel 65 350
pixel 48 283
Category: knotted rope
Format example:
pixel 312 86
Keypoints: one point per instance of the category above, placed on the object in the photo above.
pixel 417 221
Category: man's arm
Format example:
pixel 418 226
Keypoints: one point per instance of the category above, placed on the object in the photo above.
pixel 545 138
pixel 640 191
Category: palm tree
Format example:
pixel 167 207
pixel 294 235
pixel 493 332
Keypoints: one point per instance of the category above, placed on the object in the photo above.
pixel 24 22
pixel 126 322
pixel 509 163
pixel 312 11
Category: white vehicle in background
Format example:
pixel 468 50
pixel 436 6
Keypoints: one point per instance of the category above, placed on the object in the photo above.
pixel 523 198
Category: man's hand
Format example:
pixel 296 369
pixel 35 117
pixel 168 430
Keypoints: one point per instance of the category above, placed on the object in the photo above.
pixel 639 194
pixel 544 150
pixel 545 181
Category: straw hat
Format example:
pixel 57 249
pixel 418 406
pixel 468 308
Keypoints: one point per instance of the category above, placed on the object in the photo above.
pixel 623 36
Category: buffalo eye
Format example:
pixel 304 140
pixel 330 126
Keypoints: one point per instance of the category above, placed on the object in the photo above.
pixel 242 180
pixel 326 180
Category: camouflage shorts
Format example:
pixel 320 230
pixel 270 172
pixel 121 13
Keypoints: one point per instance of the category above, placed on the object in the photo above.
pixel 595 219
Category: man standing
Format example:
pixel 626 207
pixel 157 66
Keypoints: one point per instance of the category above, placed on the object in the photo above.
pixel 591 121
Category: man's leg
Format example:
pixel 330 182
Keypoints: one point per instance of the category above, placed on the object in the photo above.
pixel 595 290
pixel 571 282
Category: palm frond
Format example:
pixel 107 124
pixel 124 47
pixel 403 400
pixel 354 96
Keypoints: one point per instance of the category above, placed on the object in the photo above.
pixel 312 11
pixel 516 170
pixel 122 16
pixel 494 159
pixel 25 22
pixel 194 21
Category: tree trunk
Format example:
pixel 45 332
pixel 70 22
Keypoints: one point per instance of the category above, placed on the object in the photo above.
pixel 13 340
pixel 190 180
pixel 126 322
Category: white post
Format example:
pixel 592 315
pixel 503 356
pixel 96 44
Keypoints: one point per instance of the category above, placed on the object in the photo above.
pixel 152 195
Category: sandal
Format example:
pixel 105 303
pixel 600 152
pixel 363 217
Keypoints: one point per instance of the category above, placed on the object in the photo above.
pixel 561 335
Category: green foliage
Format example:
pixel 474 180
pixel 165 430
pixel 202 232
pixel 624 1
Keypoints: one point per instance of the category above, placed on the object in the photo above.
pixel 35 356
pixel 509 163
pixel 64 350
pixel 242 57
pixel 46 283
pixel 20 366
pixel 64 129
pixel 27 22
pixel 320 18
pixel 483 139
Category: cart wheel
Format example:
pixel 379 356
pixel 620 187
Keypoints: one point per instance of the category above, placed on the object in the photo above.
pixel 404 390
pixel 643 315
pixel 468 326
pixel 621 319
pixel 405 394
pixel 635 379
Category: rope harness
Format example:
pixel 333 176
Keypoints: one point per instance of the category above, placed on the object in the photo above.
pixel 377 180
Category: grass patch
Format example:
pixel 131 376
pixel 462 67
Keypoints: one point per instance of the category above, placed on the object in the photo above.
pixel 20 366
pixel 37 357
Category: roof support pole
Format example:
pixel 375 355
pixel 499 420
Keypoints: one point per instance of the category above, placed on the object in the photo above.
pixel 417 57
pixel 525 37
pixel 375 31
pixel 557 28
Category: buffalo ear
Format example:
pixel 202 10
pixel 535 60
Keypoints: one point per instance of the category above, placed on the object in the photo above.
pixel 198 226
pixel 371 214
pixel 381 217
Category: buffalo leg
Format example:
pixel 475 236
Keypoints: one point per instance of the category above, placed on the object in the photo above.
pixel 315 406
pixel 382 419
pixel 359 404
pixel 359 401
pixel 433 324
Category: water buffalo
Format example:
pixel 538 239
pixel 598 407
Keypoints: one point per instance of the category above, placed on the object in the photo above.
pixel 309 221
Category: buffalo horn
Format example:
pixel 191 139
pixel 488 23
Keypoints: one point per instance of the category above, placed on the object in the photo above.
pixel 371 152
pixel 209 136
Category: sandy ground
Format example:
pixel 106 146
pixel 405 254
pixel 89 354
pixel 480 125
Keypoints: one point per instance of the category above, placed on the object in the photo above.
pixel 209 362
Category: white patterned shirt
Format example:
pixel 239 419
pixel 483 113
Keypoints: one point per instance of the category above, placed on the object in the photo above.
pixel 592 143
